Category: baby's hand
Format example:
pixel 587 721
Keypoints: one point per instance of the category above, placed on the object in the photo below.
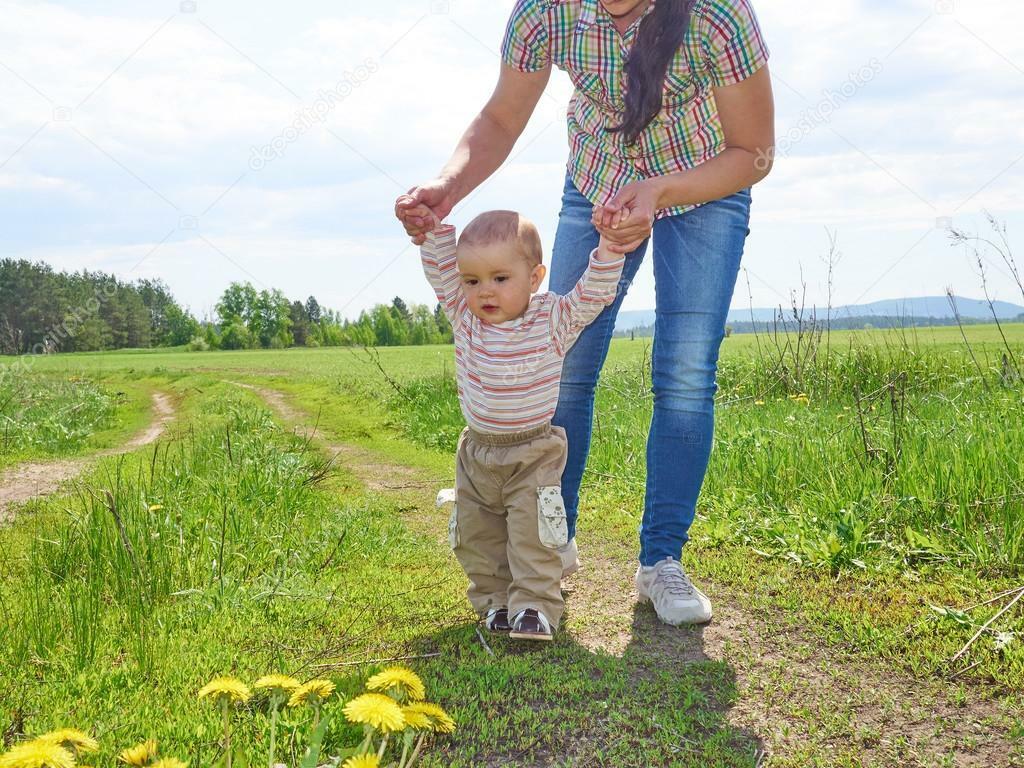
pixel 602 218
pixel 407 208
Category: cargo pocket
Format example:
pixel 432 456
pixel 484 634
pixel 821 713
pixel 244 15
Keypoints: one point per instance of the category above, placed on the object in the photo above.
pixel 551 522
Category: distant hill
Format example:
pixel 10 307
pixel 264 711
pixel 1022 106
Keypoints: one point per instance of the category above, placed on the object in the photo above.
pixel 918 308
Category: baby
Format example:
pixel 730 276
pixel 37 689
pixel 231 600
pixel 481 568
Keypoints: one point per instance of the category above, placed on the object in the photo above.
pixel 508 527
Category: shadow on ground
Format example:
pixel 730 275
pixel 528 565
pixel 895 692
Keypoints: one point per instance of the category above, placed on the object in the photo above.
pixel 662 702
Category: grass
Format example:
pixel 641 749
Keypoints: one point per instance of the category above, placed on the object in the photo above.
pixel 57 415
pixel 848 517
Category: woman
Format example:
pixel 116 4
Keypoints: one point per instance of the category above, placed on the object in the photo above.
pixel 672 119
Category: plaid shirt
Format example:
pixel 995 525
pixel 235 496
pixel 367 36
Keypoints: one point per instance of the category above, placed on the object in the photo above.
pixel 722 46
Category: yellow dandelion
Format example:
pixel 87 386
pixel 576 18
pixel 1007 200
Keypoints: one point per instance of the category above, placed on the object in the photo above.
pixel 416 719
pixel 140 754
pixel 377 710
pixel 155 507
pixel 169 762
pixel 312 692
pixel 439 719
pixel 37 754
pixel 276 682
pixel 362 761
pixel 759 402
pixel 225 687
pixel 71 739
pixel 404 680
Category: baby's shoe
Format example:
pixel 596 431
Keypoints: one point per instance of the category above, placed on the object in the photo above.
pixel 530 624
pixel 496 619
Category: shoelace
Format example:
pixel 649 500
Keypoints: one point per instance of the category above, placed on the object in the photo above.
pixel 672 578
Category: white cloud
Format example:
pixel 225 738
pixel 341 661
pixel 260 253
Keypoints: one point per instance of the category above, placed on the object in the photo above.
pixel 175 121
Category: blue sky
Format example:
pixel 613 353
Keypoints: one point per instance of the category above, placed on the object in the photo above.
pixel 127 136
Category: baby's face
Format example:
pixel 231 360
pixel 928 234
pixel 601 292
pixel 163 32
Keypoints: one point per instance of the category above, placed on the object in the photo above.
pixel 497 281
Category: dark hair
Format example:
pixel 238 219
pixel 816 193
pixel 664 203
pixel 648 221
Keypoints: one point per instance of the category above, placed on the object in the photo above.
pixel 659 37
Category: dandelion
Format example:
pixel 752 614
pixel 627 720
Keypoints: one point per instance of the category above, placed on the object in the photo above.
pixel 759 402
pixel 37 754
pixel 362 761
pixel 440 720
pixel 155 507
pixel 416 720
pixel 227 688
pixel 140 754
pixel 376 710
pixel 275 683
pixel 71 739
pixel 169 762
pixel 312 692
pixel 279 687
pixel 399 680
pixel 423 717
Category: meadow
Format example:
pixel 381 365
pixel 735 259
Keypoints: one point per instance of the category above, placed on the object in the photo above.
pixel 862 523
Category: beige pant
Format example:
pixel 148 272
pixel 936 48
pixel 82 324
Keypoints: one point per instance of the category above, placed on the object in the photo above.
pixel 509 519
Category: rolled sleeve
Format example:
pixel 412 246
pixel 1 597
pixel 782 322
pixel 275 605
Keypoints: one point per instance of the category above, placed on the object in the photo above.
pixel 733 41
pixel 525 47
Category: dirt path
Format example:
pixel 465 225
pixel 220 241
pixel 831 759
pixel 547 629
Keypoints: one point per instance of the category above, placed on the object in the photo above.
pixel 26 481
pixel 373 473
pixel 799 695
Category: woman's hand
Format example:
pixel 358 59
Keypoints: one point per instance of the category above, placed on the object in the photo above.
pixel 423 207
pixel 627 219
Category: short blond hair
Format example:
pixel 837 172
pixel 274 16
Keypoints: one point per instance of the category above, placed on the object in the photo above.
pixel 505 226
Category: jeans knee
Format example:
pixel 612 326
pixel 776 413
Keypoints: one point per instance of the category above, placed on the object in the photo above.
pixel 691 390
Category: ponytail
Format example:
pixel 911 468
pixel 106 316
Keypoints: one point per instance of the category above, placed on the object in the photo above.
pixel 660 35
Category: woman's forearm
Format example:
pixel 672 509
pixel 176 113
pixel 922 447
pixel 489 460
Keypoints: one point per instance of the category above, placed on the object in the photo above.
pixel 723 175
pixel 484 146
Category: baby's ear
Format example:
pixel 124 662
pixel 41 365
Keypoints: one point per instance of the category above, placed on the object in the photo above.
pixel 537 276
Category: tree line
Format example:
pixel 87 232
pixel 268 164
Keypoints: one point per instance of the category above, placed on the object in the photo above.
pixel 43 310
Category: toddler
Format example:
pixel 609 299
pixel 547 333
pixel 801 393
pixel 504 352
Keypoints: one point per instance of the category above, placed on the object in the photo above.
pixel 508 525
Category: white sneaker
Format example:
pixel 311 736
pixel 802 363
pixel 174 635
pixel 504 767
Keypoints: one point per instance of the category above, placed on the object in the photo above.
pixel 676 600
pixel 570 555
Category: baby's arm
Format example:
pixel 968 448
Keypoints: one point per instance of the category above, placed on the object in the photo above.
pixel 438 257
pixel 595 290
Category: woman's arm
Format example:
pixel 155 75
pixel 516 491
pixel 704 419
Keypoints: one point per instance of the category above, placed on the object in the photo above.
pixel 747 113
pixel 483 148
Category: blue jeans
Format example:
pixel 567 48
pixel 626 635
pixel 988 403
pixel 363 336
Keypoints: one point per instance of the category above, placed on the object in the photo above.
pixel 696 260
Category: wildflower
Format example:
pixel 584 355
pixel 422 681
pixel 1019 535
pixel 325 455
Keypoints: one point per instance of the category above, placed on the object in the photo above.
pixel 140 754
pixel 440 720
pixel 376 710
pixel 759 402
pixel 169 762
pixel 276 684
pixel 404 681
pixel 416 719
pixel 312 692
pixel 155 507
pixel 362 761
pixel 279 687
pixel 37 754
pixel 225 687
pixel 73 740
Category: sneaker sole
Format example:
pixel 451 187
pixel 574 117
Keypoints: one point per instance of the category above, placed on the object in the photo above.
pixel 531 636
pixel 645 600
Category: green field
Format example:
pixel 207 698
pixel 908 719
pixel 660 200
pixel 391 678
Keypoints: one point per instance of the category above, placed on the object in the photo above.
pixel 864 503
